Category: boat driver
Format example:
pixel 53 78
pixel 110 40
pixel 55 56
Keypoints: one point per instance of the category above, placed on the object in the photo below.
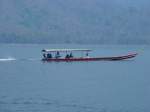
pixel 44 55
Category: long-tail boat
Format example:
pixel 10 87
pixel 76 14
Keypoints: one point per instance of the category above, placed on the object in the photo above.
pixel 55 55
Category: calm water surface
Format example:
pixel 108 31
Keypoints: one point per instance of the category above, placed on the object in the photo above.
pixel 29 85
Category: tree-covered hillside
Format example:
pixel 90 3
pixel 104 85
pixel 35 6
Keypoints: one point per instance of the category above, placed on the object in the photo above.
pixel 75 21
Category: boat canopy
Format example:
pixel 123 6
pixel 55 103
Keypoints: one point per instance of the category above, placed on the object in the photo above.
pixel 65 50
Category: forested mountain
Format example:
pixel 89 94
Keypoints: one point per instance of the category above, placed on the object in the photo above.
pixel 75 21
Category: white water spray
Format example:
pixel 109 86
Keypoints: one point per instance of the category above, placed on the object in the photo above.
pixel 7 59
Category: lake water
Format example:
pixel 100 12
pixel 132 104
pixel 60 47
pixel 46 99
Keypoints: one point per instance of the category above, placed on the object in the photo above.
pixel 29 85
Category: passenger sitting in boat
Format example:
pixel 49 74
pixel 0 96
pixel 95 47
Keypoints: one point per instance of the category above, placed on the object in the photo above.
pixel 57 55
pixel 87 55
pixel 70 56
pixel 49 55
pixel 67 56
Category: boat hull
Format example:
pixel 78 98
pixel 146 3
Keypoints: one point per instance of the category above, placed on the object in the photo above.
pixel 115 58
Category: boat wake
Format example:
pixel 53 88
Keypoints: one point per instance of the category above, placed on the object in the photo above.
pixel 21 59
pixel 7 59
pixel 33 59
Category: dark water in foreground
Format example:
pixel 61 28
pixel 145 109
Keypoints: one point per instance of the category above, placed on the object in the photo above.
pixel 29 85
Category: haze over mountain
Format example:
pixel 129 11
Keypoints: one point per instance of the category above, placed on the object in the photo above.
pixel 75 21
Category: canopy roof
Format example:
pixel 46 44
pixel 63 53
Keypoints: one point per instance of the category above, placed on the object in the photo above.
pixel 65 50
